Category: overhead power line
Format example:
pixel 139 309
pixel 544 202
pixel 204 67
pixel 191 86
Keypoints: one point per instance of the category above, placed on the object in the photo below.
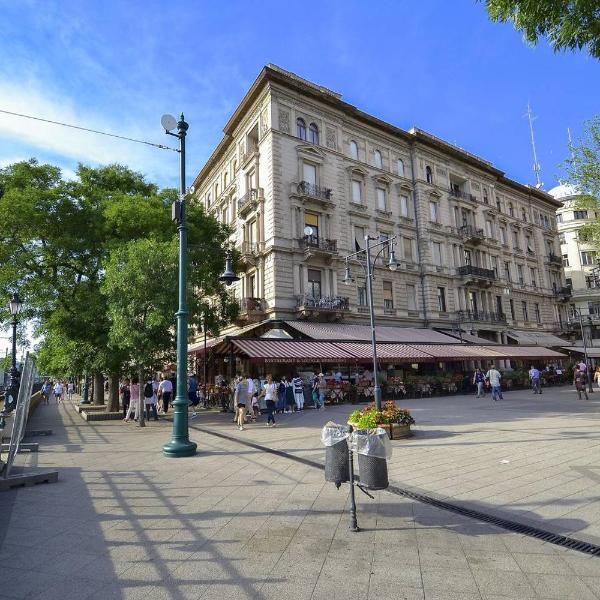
pixel 114 135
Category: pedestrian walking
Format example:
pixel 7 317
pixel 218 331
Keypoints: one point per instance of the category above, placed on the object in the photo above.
pixel 150 400
pixel 125 392
pixel 134 394
pixel 579 381
pixel 255 406
pixel 478 381
pixel 320 387
pixel 270 393
pixel 165 390
pixel 298 386
pixel 597 376
pixel 46 391
pixel 58 391
pixel 290 401
pixel 240 400
pixel 193 393
pixel 494 376
pixel 534 377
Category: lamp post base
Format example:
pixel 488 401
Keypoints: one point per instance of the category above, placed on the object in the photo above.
pixel 179 448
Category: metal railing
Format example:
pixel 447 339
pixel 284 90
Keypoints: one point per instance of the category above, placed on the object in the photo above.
pixel 250 196
pixel 314 241
pixel 471 232
pixel 564 291
pixel 314 190
pixel 481 315
pixel 476 271
pixel 250 248
pixel 250 149
pixel 323 302
pixel 250 304
pixel 555 259
pixel 460 194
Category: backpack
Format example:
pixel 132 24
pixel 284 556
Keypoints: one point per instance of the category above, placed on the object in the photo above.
pixel 148 390
pixel 281 387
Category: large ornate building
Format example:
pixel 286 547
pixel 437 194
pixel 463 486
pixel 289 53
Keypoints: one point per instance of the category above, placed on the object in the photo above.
pixel 303 176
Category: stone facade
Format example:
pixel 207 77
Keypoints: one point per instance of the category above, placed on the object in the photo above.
pixel 474 247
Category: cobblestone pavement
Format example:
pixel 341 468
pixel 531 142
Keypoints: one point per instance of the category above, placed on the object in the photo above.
pixel 238 522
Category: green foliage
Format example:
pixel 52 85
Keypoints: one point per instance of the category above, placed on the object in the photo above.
pixel 572 25
pixel 370 417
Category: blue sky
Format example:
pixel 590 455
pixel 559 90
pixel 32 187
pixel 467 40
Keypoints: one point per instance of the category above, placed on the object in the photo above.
pixel 439 65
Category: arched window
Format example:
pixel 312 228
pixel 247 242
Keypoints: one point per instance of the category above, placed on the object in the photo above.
pixel 378 159
pixel 511 210
pixel 428 174
pixel 235 166
pixel 400 167
pixel 225 178
pixel 313 134
pixel 301 128
pixel 216 190
pixel 208 200
pixel 354 149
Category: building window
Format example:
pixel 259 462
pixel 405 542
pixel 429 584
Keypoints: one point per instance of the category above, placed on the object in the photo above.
pixel 407 245
pixel 485 196
pixel 428 174
pixel 511 209
pixel 507 271
pixel 362 294
pixel 524 310
pixel 411 296
pixel 309 173
pixel 378 159
pixel 300 128
pixel 312 220
pixel 314 283
pixel 224 215
pixel 561 238
pixel 590 282
pixel 388 295
pixel 400 167
pixel 208 200
pixel 381 199
pixel 216 190
pixel 524 215
pixel 359 238
pixel 353 149
pixel 503 236
pixel 520 276
pixel 357 191
pixel 441 298
pixel 313 134
pixel 404 206
pixel 565 259
pixel 516 240
pixel 538 316
pixel 472 301
pixel 533 274
pixel 433 211
pixel 436 249
pixel 587 258
pixel 528 245
pixel 498 205
pixel 494 260
pixel 225 180
pixel 559 218
pixel 499 307
pixel 489 228
pixel 580 214
pixel 251 286
pixel 512 309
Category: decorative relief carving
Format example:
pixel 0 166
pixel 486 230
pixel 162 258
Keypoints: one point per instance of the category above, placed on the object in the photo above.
pixel 284 121
pixel 264 122
pixel 440 171
pixel 330 138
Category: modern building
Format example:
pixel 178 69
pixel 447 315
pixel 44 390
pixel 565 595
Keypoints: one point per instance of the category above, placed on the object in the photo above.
pixel 579 261
pixel 302 176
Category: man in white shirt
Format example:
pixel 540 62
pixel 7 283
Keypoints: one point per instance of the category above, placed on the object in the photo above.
pixel 165 390
pixel 494 376
pixel 58 391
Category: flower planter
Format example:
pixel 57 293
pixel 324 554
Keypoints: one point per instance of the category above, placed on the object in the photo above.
pixel 395 431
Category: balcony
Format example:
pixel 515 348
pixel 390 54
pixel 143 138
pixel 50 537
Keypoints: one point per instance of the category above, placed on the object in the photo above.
pixel 331 307
pixel 313 191
pixel 249 152
pixel 480 316
pixel 476 275
pixel 313 245
pixel 455 193
pixel 251 310
pixel 554 259
pixel 470 234
pixel 249 253
pixel 249 201
pixel 563 294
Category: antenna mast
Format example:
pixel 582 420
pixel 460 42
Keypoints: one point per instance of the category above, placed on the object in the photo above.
pixel 536 165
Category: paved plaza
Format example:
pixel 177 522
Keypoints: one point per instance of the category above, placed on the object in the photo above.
pixel 236 521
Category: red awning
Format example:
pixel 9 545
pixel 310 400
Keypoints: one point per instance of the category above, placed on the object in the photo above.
pixel 385 352
pixel 460 352
pixel 529 352
pixel 292 351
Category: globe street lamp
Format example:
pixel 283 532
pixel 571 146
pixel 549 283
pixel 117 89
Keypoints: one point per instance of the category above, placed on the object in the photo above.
pixel 14 307
pixel 392 264
pixel 180 444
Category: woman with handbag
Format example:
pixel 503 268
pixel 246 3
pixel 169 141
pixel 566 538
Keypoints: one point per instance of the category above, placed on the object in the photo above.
pixel 270 394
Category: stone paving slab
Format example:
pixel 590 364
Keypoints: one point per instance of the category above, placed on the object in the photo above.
pixel 237 522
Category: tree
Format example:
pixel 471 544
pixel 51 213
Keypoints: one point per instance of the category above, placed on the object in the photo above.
pixel 568 25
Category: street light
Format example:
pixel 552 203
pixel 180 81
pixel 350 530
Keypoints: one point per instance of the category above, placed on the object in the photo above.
pixel 577 313
pixel 392 265
pixel 14 307
pixel 180 444
pixel 228 277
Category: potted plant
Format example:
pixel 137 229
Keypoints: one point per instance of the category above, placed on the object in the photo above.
pixel 396 421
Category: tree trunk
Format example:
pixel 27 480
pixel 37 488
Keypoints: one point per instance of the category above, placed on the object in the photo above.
pixel 113 393
pixel 98 389
pixel 140 399
pixel 92 395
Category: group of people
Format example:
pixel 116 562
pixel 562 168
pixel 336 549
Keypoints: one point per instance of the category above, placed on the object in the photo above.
pixel 156 395
pixel 57 388
pixel 492 379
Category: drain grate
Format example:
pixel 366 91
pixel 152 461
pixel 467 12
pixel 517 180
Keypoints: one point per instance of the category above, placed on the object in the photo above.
pixel 514 526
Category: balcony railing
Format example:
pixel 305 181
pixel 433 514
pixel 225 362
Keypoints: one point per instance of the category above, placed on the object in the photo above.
pixel 554 259
pixel 476 272
pixel 325 303
pixel 481 315
pixel 250 248
pixel 463 195
pixel 564 292
pixel 314 190
pixel 251 148
pixel 249 200
pixel 316 243
pixel 471 233
pixel 250 304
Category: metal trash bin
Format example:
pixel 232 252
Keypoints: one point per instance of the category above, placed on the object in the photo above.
pixel 373 448
pixel 335 440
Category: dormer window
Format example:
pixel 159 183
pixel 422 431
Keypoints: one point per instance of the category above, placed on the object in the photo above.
pixel 313 134
pixel 301 128
pixel 378 159
pixel 428 174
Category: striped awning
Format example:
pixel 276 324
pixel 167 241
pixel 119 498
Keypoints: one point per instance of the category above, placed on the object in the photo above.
pixel 385 352
pixel 461 352
pixel 529 352
pixel 292 351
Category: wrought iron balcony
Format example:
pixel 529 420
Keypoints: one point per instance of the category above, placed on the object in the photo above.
pixel 462 195
pixel 249 200
pixel 250 304
pixel 251 148
pixel 314 191
pixel 477 272
pixel 554 259
pixel 470 233
pixel 481 316
pixel 314 242
pixel 249 253
pixel 323 303
pixel 563 293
